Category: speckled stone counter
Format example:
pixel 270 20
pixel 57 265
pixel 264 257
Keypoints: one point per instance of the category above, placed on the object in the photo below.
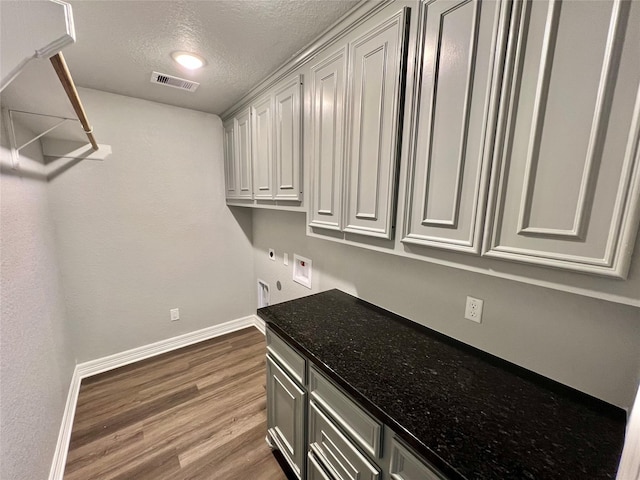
pixel 469 413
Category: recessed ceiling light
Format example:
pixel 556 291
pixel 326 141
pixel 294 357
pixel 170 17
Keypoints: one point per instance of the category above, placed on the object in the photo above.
pixel 188 60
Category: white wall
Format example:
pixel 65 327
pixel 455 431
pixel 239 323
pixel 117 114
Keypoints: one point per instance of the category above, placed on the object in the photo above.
pixel 147 229
pixel 36 361
pixel 586 343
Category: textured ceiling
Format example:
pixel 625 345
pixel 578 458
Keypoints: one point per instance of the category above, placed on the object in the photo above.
pixel 119 43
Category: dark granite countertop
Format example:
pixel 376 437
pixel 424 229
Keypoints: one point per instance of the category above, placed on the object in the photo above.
pixel 470 414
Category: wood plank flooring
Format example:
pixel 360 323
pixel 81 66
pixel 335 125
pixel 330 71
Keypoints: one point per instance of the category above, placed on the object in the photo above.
pixel 194 413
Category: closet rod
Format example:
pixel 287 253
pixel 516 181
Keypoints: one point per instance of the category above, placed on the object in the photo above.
pixel 60 66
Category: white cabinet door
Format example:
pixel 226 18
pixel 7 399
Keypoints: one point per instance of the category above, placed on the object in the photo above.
pixel 237 157
pixel 566 181
pixel 376 70
pixel 263 148
pixel 231 188
pixel 243 155
pixel 286 416
pixel 462 45
pixel 328 86
pixel 288 120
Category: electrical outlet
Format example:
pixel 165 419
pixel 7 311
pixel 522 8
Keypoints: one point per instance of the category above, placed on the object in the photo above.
pixel 175 314
pixel 272 254
pixel 473 310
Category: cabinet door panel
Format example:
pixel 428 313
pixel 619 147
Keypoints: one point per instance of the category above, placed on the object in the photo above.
pixel 230 159
pixel 456 101
pixel 375 93
pixel 287 128
pixel 286 415
pixel 327 132
pixel 406 466
pixel 568 150
pixel 263 148
pixel 243 155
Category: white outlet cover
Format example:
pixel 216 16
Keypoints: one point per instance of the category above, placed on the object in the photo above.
pixel 473 309
pixel 175 314
pixel 302 270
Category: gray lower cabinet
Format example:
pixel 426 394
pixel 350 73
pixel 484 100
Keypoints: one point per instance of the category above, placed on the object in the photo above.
pixel 407 466
pixel 286 404
pixel 315 471
pixel 326 435
pixel 364 430
pixel 338 454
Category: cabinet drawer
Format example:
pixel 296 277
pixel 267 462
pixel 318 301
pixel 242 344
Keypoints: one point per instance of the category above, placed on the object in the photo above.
pixel 336 452
pixel 315 471
pixel 286 356
pixel 361 427
pixel 406 466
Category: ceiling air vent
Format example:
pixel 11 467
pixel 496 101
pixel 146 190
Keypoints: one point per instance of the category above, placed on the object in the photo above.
pixel 175 82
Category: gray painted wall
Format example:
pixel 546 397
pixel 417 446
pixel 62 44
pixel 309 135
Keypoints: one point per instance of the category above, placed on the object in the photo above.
pixel 36 361
pixel 587 343
pixel 148 230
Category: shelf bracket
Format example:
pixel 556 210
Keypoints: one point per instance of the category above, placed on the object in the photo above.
pixel 13 142
pixel 8 119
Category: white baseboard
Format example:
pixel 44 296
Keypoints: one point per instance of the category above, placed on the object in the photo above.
pixel 62 446
pixel 259 324
pixel 100 365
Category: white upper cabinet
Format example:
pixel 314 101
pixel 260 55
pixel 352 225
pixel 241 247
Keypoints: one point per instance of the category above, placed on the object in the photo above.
pixel 229 158
pixel 262 113
pixel 460 52
pixel 356 95
pixel 243 154
pixel 374 103
pixel 327 137
pixel 566 181
pixel 276 143
pixel 288 126
pixel 237 156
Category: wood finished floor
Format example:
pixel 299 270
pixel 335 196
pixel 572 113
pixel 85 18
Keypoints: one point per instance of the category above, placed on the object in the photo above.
pixel 194 413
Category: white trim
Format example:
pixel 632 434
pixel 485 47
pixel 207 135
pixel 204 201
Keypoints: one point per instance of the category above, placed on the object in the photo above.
pixel 62 446
pixel 100 365
pixel 259 324
pixel 629 468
